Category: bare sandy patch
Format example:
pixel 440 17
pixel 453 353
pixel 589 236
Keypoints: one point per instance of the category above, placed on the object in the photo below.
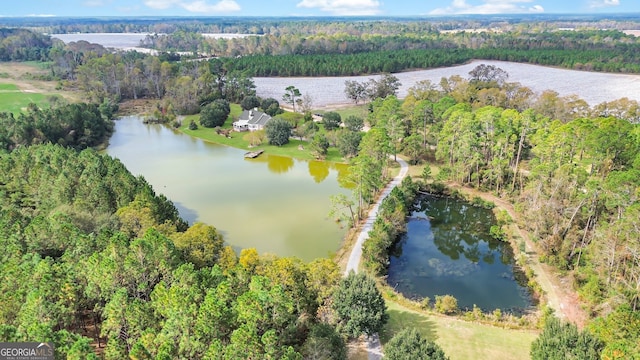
pixel 593 87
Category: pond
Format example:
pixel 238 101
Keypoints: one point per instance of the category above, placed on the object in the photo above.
pixel 448 250
pixel 275 204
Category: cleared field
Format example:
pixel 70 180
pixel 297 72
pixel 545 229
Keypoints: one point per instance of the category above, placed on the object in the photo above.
pixel 19 88
pixel 17 101
pixel 8 87
pixel 594 88
pixel 461 340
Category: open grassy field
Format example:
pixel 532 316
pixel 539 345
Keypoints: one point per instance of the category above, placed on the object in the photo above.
pixel 461 339
pixel 17 101
pixel 8 87
pixel 19 87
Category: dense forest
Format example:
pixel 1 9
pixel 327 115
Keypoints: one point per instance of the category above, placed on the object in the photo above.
pixel 78 126
pixel 95 260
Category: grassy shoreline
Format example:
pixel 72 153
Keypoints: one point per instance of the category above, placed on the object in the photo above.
pixel 296 148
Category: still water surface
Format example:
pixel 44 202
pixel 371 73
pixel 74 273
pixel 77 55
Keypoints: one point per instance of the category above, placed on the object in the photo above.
pixel 275 204
pixel 448 250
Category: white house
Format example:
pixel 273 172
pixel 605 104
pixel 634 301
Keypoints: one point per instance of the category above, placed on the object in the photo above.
pixel 251 120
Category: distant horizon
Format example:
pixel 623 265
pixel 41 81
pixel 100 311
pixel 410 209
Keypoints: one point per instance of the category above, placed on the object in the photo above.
pixel 196 16
pixel 311 8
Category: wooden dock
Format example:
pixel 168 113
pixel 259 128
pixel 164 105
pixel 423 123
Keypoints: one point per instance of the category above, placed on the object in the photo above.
pixel 253 154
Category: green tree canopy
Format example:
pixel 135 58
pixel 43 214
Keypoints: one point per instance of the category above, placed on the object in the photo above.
pixel 348 143
pixel 354 123
pixel 215 114
pixel 562 341
pixel 250 102
pixel 331 120
pixel 408 344
pixel 324 343
pixel 359 305
pixel 278 131
pixel 271 106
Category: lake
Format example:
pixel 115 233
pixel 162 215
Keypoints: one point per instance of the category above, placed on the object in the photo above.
pixel 128 41
pixel 448 250
pixel 275 204
pixel 108 40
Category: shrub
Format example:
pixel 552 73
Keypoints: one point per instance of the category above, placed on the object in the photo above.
pixel 409 344
pixel 331 120
pixel 446 304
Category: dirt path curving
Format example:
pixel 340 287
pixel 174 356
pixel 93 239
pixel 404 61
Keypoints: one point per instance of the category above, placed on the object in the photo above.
pixel 558 290
pixel 374 348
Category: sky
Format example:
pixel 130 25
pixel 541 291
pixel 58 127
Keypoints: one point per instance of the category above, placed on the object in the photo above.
pixel 309 7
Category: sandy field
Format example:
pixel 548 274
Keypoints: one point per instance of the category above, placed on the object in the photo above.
pixel 593 87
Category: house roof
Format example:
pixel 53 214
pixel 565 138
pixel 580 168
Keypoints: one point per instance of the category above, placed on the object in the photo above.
pixel 254 117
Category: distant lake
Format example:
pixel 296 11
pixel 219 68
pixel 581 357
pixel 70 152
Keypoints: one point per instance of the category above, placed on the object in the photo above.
pixel 448 250
pixel 108 40
pixel 275 204
pixel 127 40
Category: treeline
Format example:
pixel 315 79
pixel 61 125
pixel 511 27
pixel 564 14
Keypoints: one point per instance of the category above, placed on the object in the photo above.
pixel 323 25
pixel 389 227
pixel 74 125
pixel 23 45
pixel 95 259
pixel 612 60
pixel 183 86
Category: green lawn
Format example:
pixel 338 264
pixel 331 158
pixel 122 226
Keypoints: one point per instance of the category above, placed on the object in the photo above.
pixel 461 339
pixel 8 87
pixel 15 102
pixel 360 111
pixel 290 150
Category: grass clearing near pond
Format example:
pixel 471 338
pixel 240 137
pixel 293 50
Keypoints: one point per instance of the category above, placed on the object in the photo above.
pixel 17 101
pixel 461 339
pixel 294 149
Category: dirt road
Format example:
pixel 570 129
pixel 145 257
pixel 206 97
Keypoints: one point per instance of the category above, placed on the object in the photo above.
pixel 374 348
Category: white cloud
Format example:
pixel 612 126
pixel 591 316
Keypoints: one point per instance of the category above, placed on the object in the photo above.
pixel 536 8
pixel 603 3
pixel 343 7
pixel 40 15
pixel 198 6
pixel 490 7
